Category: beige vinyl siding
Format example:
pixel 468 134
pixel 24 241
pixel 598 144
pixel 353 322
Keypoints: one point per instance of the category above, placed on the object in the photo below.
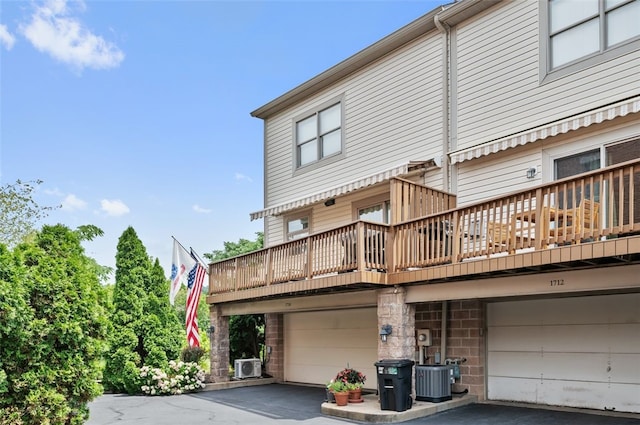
pixel 392 114
pixel 497 174
pixel 499 88
pixel 326 218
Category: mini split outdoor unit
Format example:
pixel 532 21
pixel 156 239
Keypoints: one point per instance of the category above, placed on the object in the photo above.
pixel 433 382
pixel 247 368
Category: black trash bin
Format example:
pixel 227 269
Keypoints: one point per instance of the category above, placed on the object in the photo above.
pixel 394 384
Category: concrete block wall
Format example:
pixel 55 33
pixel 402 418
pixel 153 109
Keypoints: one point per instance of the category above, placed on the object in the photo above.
pixel 219 346
pixel 465 339
pixel 274 341
pixel 394 311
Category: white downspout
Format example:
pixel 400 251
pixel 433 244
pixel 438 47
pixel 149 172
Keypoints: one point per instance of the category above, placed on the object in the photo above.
pixel 446 100
pixel 446 146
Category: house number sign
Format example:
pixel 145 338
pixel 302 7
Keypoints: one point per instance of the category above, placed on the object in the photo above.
pixel 556 282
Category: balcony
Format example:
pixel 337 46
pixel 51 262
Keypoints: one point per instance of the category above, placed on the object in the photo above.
pixel 585 220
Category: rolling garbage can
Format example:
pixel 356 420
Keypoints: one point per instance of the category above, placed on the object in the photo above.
pixel 394 384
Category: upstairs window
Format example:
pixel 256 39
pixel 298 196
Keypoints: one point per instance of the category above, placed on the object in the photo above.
pixel 582 28
pixel 319 135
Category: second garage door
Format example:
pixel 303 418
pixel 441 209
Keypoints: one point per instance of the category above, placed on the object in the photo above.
pixel 578 352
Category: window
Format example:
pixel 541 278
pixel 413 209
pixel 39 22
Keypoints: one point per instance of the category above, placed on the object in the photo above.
pixel 319 135
pixel 376 210
pixel 571 166
pixel 297 227
pixel 579 29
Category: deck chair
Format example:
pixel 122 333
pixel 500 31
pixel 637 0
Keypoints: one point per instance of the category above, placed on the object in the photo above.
pixel 585 218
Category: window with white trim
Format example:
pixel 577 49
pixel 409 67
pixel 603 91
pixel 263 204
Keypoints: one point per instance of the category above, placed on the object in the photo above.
pixel 578 29
pixel 376 210
pixel 319 135
pixel 297 226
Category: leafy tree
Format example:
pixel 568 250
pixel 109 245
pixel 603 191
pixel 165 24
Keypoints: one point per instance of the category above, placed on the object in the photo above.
pixel 52 327
pixel 232 249
pixel 18 211
pixel 146 330
pixel 246 333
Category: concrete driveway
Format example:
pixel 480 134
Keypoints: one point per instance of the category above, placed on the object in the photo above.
pixel 281 404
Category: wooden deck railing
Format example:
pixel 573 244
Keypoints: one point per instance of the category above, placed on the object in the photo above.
pixel 411 200
pixel 580 209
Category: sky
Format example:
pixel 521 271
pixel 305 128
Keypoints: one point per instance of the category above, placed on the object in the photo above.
pixel 137 113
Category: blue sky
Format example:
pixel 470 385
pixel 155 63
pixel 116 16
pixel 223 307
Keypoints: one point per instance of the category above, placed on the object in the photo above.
pixel 136 113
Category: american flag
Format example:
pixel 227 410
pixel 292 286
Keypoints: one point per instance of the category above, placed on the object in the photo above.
pixel 194 289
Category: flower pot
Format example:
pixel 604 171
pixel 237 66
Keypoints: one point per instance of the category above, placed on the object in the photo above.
pixel 355 396
pixel 342 399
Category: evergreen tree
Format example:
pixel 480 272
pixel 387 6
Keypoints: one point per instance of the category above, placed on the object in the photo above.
pixel 146 330
pixel 52 327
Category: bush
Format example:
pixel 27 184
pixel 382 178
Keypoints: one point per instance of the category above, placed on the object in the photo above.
pixel 192 354
pixel 180 378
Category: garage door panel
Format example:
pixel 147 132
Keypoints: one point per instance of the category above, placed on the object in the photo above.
pixel 513 389
pixel 511 364
pixel 317 338
pixel 576 338
pixel 574 367
pixel 515 338
pixel 625 338
pixel 507 314
pixel 625 368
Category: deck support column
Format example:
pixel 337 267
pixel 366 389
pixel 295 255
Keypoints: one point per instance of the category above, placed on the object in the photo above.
pixel 393 310
pixel 274 342
pixel 219 345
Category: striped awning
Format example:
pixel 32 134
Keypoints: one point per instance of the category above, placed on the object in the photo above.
pixel 596 116
pixel 352 186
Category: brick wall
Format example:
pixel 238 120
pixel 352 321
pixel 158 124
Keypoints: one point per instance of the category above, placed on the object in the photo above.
pixel 219 348
pixel 274 338
pixel 394 311
pixel 465 338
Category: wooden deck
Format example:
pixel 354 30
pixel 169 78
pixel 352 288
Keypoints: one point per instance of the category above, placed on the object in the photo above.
pixel 581 220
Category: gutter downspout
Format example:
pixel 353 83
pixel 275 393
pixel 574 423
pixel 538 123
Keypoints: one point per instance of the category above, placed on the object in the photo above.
pixel 445 29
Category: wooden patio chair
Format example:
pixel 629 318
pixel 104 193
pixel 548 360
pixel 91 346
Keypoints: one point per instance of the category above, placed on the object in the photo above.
pixel 499 236
pixel 585 218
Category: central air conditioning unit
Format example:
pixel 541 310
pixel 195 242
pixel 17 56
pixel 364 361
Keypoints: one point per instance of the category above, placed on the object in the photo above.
pixel 247 368
pixel 433 382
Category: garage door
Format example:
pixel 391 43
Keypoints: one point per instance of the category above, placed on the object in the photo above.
pixel 578 352
pixel 319 344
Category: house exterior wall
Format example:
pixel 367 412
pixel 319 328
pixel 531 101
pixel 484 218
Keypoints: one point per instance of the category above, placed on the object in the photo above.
pixel 465 330
pixel 392 113
pixel 500 88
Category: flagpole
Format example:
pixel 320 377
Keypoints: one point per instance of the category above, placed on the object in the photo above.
pixel 199 259
pixel 178 242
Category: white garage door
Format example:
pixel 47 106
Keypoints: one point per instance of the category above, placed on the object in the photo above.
pixel 578 352
pixel 319 344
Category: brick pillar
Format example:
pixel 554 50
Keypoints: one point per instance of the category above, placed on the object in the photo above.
pixel 393 310
pixel 465 339
pixel 219 349
pixel 274 341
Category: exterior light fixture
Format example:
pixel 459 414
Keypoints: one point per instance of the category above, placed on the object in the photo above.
pixel 211 330
pixel 329 202
pixel 385 331
pixel 531 172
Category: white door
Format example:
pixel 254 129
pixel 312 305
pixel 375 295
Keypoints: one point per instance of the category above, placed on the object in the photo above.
pixel 578 352
pixel 317 345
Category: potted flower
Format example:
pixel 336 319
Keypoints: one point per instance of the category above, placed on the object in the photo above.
pixel 355 380
pixel 340 392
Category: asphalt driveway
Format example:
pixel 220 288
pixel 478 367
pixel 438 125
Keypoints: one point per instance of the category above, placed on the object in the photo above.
pixel 278 404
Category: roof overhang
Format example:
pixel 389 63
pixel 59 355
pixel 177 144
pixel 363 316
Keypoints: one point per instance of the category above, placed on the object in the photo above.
pixel 361 183
pixel 565 125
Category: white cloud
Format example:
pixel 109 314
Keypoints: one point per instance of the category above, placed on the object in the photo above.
pixel 6 38
pixel 114 208
pixel 72 203
pixel 240 176
pixel 197 208
pixel 54 192
pixel 53 31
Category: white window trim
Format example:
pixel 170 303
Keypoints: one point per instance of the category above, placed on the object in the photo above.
pixel 328 159
pixel 547 74
pixel 370 202
pixel 289 217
